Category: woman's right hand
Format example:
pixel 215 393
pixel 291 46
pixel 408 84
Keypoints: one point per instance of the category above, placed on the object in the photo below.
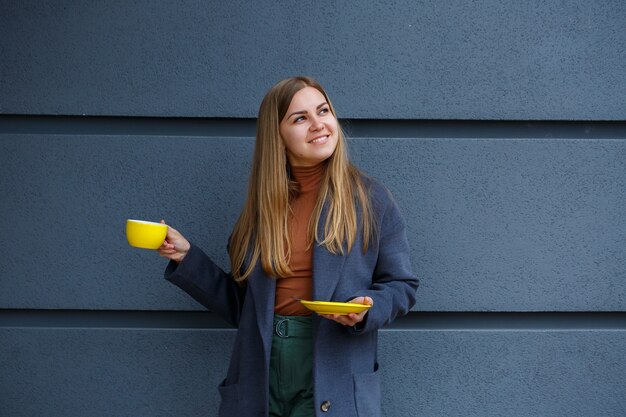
pixel 175 246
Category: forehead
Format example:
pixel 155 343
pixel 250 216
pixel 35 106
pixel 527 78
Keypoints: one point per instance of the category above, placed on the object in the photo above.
pixel 306 97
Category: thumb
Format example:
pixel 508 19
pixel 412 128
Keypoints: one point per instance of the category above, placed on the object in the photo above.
pixel 171 232
pixel 363 300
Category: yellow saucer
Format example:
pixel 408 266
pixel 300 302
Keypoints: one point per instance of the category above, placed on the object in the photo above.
pixel 331 307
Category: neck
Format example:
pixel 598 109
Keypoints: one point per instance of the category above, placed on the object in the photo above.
pixel 308 178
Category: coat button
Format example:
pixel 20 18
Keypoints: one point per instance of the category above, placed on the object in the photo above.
pixel 325 406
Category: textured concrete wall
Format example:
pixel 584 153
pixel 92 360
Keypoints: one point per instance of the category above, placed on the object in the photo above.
pixel 496 59
pixel 82 372
pixel 495 224
pixel 517 229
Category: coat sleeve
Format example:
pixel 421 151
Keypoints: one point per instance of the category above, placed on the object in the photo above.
pixel 394 284
pixel 208 284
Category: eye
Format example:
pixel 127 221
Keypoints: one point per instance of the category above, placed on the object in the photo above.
pixel 324 110
pixel 298 119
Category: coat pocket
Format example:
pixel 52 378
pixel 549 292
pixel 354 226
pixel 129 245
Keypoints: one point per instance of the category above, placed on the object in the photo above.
pixel 230 398
pixel 367 393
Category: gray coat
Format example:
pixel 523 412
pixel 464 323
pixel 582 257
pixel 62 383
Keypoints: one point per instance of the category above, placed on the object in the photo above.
pixel 345 366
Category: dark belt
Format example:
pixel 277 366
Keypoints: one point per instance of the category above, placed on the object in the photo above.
pixel 292 326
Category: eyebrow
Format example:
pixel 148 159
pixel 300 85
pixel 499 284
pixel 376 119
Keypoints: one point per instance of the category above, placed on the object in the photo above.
pixel 304 111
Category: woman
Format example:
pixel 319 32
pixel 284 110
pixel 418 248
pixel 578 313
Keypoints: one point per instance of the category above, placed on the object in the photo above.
pixel 313 227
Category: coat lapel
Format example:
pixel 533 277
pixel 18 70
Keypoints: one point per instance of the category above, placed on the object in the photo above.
pixel 327 270
pixel 327 267
pixel 263 291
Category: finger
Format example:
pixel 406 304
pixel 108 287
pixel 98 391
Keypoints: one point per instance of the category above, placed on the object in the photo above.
pixel 344 319
pixel 363 300
pixel 357 318
pixel 354 319
pixel 167 246
pixel 334 317
pixel 170 229
pixel 172 234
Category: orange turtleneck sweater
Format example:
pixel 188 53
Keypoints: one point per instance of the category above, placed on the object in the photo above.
pixel 300 283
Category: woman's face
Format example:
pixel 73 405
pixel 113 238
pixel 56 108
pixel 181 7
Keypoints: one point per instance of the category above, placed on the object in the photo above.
pixel 309 129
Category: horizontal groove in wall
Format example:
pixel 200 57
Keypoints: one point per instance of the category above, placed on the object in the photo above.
pixel 127 319
pixel 358 128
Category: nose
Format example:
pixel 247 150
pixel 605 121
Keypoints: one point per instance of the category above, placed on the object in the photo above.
pixel 316 124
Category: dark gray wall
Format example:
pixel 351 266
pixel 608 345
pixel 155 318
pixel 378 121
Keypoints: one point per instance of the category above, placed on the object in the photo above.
pixel 522 224
pixel 517 227
pixel 498 59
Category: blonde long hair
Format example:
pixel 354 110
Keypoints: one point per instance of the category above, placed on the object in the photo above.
pixel 261 231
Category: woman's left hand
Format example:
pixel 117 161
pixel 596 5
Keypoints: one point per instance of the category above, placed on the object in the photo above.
pixel 352 318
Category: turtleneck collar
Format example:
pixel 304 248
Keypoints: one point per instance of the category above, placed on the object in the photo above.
pixel 308 178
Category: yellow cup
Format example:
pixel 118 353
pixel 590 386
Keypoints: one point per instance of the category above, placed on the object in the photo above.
pixel 146 235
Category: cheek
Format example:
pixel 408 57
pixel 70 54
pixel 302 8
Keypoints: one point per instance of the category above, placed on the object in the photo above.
pixel 294 136
pixel 284 135
pixel 290 141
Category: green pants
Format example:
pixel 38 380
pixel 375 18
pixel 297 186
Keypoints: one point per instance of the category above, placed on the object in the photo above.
pixel 291 364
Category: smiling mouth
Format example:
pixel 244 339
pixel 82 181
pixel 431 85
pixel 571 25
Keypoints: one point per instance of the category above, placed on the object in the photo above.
pixel 319 139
